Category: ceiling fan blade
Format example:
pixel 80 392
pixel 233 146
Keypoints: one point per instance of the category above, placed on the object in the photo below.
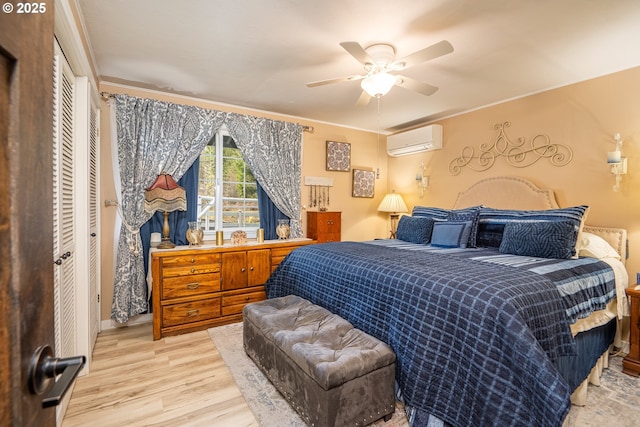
pixel 364 99
pixel 357 51
pixel 426 54
pixel 336 80
pixel 418 86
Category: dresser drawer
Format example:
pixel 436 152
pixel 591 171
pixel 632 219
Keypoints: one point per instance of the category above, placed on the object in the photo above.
pixel 181 265
pixel 188 312
pixel 278 254
pixel 195 284
pixel 187 265
pixel 233 304
pixel 182 260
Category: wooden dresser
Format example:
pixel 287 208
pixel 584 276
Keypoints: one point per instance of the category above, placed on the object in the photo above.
pixel 324 226
pixel 201 287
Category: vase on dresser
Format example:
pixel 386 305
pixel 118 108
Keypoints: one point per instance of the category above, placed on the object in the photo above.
pixel 283 230
pixel 195 235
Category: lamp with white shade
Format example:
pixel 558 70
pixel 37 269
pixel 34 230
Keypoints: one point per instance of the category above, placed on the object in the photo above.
pixel 394 204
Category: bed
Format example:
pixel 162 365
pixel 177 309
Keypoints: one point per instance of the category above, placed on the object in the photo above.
pixel 504 335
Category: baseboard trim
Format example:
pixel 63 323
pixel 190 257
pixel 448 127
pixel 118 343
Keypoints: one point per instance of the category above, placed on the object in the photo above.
pixel 136 320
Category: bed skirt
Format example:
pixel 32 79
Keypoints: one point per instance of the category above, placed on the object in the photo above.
pixel 593 356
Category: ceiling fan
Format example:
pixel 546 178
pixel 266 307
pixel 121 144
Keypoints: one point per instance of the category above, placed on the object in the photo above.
pixel 379 63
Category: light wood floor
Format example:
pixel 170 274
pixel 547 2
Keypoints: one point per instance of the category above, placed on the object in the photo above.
pixel 175 381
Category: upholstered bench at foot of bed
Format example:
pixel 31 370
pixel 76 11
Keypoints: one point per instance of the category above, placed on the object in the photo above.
pixel 331 373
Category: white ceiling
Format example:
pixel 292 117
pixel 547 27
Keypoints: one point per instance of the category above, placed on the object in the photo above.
pixel 261 53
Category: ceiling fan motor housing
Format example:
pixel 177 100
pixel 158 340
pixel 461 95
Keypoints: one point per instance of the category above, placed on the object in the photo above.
pixel 382 54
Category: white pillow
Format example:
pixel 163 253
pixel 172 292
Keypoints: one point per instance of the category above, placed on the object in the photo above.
pixel 596 247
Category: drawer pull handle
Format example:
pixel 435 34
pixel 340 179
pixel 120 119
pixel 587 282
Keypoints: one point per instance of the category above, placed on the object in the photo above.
pixel 193 286
pixel 193 260
pixel 251 268
pixel 192 313
pixel 247 298
pixel 193 270
pixel 243 269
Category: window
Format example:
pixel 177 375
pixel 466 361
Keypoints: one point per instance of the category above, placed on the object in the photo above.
pixel 227 190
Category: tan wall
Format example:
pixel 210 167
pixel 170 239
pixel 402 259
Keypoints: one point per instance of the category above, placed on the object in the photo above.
pixel 360 219
pixel 584 116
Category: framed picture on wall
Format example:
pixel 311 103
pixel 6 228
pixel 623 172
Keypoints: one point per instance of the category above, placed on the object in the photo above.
pixel 338 156
pixel 363 182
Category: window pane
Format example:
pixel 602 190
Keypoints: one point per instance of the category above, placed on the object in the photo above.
pixel 238 207
pixel 207 187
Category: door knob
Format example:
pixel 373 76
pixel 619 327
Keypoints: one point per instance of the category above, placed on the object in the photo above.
pixel 43 370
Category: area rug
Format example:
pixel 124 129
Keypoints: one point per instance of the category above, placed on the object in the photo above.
pixel 616 402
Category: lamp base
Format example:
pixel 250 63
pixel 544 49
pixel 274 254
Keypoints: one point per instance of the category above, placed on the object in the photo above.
pixel 166 244
pixel 394 224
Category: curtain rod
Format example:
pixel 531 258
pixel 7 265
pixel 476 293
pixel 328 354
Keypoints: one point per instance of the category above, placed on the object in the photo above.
pixel 107 95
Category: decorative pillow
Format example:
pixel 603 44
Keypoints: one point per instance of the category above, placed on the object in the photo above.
pixel 596 247
pixel 441 214
pixel 431 212
pixel 450 234
pixel 544 239
pixel 492 221
pixel 415 229
pixel 467 214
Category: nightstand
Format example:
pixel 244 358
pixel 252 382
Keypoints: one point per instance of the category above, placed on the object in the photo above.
pixel 631 363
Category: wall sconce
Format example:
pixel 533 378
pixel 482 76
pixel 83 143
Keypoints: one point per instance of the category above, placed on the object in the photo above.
pixel 617 162
pixel 422 181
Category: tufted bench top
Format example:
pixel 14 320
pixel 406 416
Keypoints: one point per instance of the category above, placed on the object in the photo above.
pixel 328 348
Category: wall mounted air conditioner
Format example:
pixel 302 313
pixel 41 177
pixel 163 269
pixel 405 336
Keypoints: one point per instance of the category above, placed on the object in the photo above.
pixel 427 138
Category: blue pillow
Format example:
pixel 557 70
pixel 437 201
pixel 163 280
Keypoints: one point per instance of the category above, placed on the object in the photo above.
pixel 543 239
pixel 450 234
pixel 492 221
pixel 431 212
pixel 415 229
pixel 467 214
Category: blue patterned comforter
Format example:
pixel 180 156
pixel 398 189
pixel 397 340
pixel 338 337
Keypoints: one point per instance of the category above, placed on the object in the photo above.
pixel 475 334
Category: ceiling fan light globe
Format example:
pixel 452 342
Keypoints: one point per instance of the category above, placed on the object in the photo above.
pixel 378 84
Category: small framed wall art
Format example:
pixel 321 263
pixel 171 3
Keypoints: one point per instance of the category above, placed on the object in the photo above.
pixel 338 156
pixel 363 182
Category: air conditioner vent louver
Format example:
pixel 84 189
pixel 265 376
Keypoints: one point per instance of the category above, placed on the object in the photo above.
pixel 427 138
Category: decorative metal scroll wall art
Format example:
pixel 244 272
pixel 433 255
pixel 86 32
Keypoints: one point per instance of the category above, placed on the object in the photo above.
pixel 517 153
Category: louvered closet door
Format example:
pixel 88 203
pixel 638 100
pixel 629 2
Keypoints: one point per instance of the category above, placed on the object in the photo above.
pixel 94 302
pixel 63 204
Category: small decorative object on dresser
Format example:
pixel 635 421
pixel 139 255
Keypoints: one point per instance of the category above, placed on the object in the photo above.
pixel 324 226
pixel 283 230
pixel 238 237
pixel 195 235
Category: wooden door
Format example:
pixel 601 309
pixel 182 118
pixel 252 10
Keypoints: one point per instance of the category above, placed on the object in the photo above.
pixel 234 270
pixel 26 241
pixel 259 264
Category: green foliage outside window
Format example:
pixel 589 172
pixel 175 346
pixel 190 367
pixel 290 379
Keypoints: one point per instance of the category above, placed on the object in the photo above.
pixel 239 193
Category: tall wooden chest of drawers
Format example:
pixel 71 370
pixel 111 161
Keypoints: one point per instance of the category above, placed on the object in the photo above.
pixel 201 287
pixel 324 226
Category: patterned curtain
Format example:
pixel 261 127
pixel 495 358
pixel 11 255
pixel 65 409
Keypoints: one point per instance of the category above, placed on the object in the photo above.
pixel 273 150
pixel 150 137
